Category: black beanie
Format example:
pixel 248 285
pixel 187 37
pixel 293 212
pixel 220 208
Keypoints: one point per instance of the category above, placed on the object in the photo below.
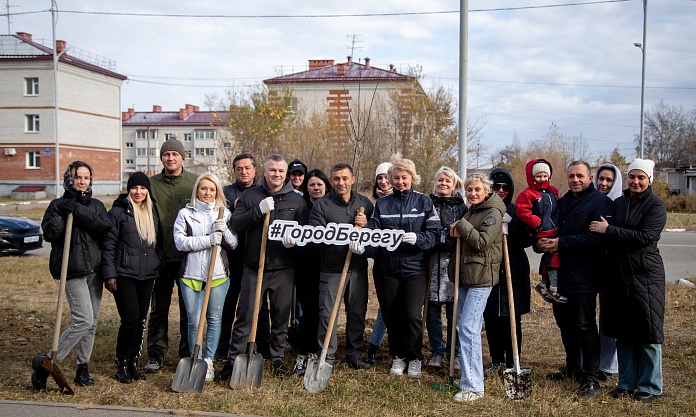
pixel 138 178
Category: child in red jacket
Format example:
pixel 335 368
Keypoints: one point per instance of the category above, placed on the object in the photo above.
pixel 536 207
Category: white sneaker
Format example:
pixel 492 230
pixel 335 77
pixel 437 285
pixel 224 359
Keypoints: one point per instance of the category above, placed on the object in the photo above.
pixel 414 368
pixel 457 363
pixel 398 366
pixel 436 361
pixel 210 372
pixel 463 396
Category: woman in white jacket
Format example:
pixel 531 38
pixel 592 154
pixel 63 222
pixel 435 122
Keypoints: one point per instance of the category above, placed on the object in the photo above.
pixel 196 230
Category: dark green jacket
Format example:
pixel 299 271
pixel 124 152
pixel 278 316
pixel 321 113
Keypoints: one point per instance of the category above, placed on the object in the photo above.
pixel 171 194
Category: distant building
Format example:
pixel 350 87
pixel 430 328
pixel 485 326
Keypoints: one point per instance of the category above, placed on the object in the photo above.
pixel 203 134
pixel 682 180
pixel 89 122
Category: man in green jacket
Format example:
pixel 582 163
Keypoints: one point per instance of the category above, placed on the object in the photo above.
pixel 171 190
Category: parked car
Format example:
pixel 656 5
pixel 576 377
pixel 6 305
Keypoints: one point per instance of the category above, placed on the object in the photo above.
pixel 19 234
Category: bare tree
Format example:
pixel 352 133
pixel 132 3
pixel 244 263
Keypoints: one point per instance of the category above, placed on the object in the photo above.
pixel 669 135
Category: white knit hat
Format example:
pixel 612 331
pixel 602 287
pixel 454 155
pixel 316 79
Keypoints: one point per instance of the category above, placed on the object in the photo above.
pixel 382 168
pixel 645 165
pixel 541 167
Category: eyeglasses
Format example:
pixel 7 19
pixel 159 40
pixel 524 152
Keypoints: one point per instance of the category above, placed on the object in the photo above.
pixel 501 186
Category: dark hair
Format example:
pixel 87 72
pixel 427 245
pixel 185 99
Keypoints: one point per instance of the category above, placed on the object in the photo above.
pixel 315 173
pixel 79 164
pixel 244 155
pixel 589 170
pixel 341 166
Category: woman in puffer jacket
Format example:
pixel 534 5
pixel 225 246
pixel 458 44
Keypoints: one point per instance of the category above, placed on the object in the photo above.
pixel 130 260
pixel 196 230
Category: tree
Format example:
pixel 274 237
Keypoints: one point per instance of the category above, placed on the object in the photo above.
pixel 669 135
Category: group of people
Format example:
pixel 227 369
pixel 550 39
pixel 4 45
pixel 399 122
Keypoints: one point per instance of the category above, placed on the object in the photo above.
pixel 162 231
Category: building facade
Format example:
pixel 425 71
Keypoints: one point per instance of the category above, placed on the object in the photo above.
pixel 88 125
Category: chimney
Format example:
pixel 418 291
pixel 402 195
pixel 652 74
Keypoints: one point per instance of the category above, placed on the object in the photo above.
pixel 60 46
pixel 156 109
pixel 183 113
pixel 320 63
pixel 190 108
pixel 127 114
pixel 367 63
pixel 350 60
pixel 24 35
pixel 391 68
pixel 341 69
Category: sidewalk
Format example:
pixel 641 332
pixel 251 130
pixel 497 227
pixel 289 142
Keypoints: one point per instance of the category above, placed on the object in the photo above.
pixel 39 409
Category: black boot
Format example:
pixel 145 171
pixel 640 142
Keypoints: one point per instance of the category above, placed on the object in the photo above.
pixel 41 373
pixel 133 369
pixel 122 374
pixel 82 376
pixel 371 353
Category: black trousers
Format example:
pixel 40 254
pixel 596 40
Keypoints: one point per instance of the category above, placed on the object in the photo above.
pixel 158 326
pixel 577 322
pixel 132 298
pixel 401 300
pixel 307 285
pixel 229 309
pixel 500 338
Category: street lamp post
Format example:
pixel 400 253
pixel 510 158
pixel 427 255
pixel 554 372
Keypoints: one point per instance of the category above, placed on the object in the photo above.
pixel 641 46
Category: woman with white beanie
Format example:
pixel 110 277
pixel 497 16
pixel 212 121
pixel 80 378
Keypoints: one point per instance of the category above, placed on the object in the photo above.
pixel 633 302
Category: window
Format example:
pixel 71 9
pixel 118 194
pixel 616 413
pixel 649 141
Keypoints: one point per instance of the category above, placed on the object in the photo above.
pixel 33 160
pixel 129 162
pixel 129 144
pixel 142 134
pixel 168 136
pixel 205 152
pixel 153 151
pixel 141 152
pixel 187 137
pixel 32 86
pixel 204 134
pixel 32 122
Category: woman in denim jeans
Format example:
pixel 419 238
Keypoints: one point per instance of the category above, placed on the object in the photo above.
pixel 196 230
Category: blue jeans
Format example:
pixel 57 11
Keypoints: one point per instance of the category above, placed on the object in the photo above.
pixel 472 302
pixel 640 366
pixel 379 330
pixel 193 300
pixel 433 323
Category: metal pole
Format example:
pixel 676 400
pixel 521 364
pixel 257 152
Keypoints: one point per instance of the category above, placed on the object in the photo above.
pixel 642 82
pixel 55 96
pixel 463 68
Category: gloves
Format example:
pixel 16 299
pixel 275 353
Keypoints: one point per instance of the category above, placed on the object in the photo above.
pixel 410 238
pixel 506 220
pixel 288 241
pixel 68 206
pixel 266 205
pixel 220 225
pixel 216 239
pixel 356 247
pixel 505 228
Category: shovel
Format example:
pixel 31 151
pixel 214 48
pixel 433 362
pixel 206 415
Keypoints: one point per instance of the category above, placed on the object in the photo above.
pixel 451 385
pixel 53 368
pixel 190 372
pixel 248 368
pixel 518 382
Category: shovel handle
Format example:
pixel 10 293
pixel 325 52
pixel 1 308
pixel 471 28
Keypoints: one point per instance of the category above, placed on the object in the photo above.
pixel 511 306
pixel 259 279
pixel 206 297
pixel 457 266
pixel 61 285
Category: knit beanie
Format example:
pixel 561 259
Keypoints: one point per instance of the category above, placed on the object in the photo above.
pixel 645 165
pixel 138 178
pixel 173 145
pixel 382 168
pixel 541 167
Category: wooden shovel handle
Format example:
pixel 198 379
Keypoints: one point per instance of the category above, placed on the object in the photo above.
pixel 61 285
pixel 511 301
pixel 259 278
pixel 208 283
pixel 457 267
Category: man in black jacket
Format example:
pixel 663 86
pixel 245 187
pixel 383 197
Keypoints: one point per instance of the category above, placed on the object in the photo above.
pixel 277 196
pixel 342 205
pixel 582 263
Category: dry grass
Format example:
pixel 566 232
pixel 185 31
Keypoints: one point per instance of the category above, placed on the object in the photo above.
pixel 27 297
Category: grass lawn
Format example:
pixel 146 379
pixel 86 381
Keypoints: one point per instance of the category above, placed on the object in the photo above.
pixel 28 296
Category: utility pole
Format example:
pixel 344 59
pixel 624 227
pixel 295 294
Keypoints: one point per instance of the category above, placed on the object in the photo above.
pixel 54 13
pixel 463 74
pixel 642 81
pixel 9 32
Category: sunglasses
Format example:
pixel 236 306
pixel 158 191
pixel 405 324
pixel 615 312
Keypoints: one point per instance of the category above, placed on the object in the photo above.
pixel 499 186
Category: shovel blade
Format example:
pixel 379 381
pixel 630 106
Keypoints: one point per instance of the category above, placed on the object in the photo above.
pixel 247 371
pixel 317 375
pixel 62 383
pixel 190 375
pixel 518 386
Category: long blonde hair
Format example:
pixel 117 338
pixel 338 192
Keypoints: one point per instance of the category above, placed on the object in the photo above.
pixel 144 219
pixel 220 201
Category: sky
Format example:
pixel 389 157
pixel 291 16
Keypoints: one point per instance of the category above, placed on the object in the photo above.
pixel 531 63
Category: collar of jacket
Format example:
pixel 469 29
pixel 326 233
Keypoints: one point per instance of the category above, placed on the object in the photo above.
pixel 122 201
pixel 447 201
pixel 172 178
pixel 238 185
pixel 404 193
pixel 638 197
pixel 584 192
pixel 339 201
pixel 286 188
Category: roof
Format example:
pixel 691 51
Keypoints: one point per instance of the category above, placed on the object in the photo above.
pixel 15 47
pixel 170 118
pixel 354 72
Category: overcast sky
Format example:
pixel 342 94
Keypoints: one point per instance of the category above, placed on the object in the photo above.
pixel 531 62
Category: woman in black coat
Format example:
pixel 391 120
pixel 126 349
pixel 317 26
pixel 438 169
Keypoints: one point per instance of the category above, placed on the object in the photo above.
pixel 496 316
pixel 130 259
pixel 633 302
